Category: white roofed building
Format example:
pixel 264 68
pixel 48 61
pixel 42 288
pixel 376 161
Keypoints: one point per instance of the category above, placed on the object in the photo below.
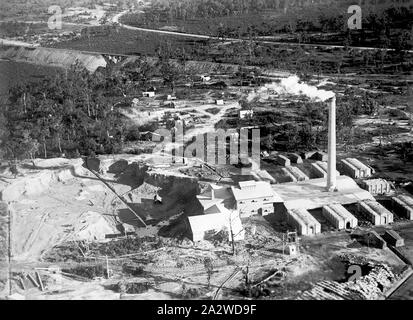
pixel 213 196
pixel 222 220
pixel 255 198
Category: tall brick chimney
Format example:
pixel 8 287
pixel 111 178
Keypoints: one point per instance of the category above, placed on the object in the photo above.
pixel 331 172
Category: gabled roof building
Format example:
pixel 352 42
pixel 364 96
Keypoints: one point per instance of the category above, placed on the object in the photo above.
pixel 254 197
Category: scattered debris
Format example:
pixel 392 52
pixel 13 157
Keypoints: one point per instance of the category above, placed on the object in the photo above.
pixel 87 271
pixel 370 287
pixel 132 287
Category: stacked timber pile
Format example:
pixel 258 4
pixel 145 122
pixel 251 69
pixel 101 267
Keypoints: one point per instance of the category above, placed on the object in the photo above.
pixel 354 259
pixel 330 290
pixel 369 287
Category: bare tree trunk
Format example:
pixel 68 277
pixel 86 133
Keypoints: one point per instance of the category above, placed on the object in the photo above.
pixel 88 105
pixel 232 239
pixel 59 144
pixel 24 103
pixel 45 150
pixel 32 159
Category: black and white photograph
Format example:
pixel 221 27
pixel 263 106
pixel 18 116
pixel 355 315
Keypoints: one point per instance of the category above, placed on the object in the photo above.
pixel 206 156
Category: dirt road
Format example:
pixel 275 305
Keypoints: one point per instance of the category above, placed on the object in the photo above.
pixel 207 126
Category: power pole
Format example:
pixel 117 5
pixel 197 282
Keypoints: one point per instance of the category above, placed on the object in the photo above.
pixel 9 240
pixel 107 267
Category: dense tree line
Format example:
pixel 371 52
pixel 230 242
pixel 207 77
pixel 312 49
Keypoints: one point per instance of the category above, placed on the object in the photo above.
pixel 387 25
pixel 77 113
pixel 73 113
pixel 192 9
pixel 307 130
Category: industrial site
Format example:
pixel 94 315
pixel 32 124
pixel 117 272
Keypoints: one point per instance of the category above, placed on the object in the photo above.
pixel 205 164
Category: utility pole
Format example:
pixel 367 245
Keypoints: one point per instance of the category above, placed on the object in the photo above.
pixel 107 267
pixel 9 240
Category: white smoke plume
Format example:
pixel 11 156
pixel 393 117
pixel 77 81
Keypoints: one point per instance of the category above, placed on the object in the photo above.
pixel 291 85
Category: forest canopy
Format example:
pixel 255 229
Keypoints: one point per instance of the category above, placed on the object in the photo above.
pixel 72 113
